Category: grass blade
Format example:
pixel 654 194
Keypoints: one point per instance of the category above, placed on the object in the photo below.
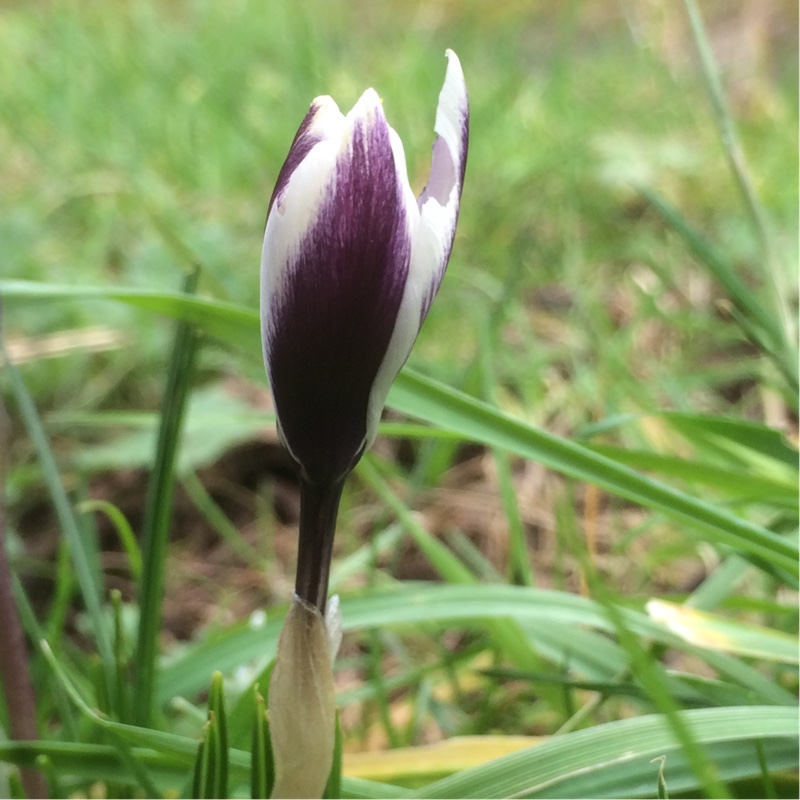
pixel 739 483
pixel 443 604
pixel 438 404
pixel 95 762
pixel 88 580
pixel 216 708
pixel 720 633
pixel 757 323
pixel 126 535
pixel 262 766
pixel 548 769
pixel 738 166
pixel 158 511
pixel 233 324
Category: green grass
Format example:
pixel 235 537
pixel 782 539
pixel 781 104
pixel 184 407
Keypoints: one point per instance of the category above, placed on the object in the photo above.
pixel 619 313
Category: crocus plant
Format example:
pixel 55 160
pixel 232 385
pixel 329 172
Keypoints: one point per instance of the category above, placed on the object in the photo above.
pixel 350 265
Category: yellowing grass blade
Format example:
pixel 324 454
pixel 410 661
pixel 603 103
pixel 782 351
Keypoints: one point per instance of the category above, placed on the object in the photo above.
pixel 726 635
pixel 428 762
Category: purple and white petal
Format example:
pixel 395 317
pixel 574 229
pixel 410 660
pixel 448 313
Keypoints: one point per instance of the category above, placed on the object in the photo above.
pixel 433 228
pixel 350 265
pixel 334 269
pixel 323 121
pixel 440 200
pixel 297 195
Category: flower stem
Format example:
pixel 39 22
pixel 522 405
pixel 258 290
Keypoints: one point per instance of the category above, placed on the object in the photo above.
pixel 319 505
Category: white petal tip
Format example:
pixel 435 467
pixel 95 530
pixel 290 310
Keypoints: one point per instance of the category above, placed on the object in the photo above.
pixel 452 126
pixel 451 56
pixel 326 116
pixel 369 103
pixel 324 100
pixel 454 89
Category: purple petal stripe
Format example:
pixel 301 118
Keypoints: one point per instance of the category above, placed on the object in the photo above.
pixel 332 323
pixel 301 145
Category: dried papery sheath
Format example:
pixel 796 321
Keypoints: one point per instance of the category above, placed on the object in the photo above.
pixel 302 705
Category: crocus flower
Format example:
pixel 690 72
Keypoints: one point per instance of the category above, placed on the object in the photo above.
pixel 350 265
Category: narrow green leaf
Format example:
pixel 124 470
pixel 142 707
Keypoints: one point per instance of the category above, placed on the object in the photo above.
pixel 201 767
pixel 101 699
pixel 757 323
pixel 662 793
pixel 687 689
pixel 70 528
pixel 13 787
pixel 652 675
pixel 158 513
pixel 244 709
pixel 36 634
pixel 167 767
pixel 738 167
pixel 741 295
pixel 734 761
pixel 216 711
pixel 755 436
pixel 140 774
pixel 730 636
pixel 101 762
pixel 721 583
pixel 96 762
pixel 737 440
pixel 748 485
pixel 440 405
pixel 519 562
pixel 211 765
pixel 371 790
pixel 766 776
pixel 63 597
pixel 235 325
pixel 124 531
pixel 444 605
pixel 216 760
pixel 548 769
pixel 262 765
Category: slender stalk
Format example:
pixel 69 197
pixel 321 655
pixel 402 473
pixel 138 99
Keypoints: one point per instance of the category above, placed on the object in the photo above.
pixel 319 505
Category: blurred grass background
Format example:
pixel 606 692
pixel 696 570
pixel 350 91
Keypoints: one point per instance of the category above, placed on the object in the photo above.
pixel 139 138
